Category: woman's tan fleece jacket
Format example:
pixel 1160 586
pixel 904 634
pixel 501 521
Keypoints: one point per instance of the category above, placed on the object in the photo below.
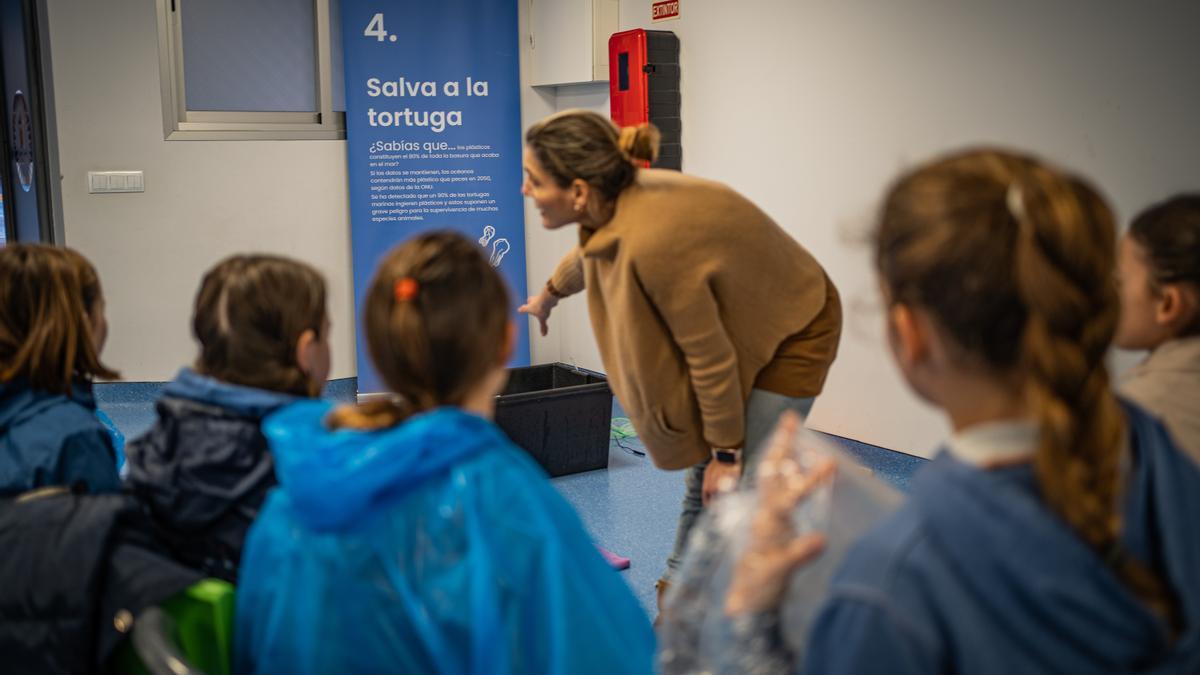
pixel 696 296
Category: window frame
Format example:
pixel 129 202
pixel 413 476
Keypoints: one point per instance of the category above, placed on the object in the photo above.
pixel 179 123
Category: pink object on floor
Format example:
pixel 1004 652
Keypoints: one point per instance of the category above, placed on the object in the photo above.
pixel 616 561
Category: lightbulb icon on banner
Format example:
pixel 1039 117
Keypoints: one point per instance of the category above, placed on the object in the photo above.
pixel 500 247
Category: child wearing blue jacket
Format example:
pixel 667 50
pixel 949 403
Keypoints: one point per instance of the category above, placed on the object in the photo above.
pixel 408 534
pixel 52 329
pixel 1056 531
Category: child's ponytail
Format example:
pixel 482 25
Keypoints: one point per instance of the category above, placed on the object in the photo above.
pixel 435 321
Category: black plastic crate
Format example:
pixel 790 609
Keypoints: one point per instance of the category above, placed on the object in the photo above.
pixel 561 415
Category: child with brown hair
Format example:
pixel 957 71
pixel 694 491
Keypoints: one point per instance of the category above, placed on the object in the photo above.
pixel 1159 264
pixel 1056 531
pixel 52 328
pixel 76 566
pixel 204 469
pixel 409 534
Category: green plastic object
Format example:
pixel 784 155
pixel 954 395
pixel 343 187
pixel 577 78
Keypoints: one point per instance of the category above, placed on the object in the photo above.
pixel 203 616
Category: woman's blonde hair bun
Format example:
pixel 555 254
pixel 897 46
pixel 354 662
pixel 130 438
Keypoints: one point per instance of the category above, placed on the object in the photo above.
pixel 640 143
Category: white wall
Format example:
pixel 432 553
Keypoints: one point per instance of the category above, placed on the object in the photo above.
pixel 203 200
pixel 806 107
pixel 809 108
pixel 570 339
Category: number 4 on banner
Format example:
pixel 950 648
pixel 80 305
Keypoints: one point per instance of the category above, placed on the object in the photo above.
pixel 375 28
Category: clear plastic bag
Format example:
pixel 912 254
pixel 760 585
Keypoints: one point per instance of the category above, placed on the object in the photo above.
pixel 743 536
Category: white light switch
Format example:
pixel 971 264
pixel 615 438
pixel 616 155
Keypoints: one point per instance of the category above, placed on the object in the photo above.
pixel 116 181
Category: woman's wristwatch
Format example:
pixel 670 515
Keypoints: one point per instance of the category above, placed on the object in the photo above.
pixel 727 455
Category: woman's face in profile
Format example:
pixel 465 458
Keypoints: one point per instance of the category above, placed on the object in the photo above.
pixel 555 203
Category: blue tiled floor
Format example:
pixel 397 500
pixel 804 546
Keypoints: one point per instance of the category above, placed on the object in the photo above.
pixel 896 468
pixel 631 508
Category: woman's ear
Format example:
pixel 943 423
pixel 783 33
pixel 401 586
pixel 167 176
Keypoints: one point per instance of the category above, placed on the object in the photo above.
pixel 580 193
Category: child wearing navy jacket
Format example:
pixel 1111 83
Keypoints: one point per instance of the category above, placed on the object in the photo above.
pixel 204 469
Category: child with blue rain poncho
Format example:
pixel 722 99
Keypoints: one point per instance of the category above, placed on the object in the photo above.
pixel 408 534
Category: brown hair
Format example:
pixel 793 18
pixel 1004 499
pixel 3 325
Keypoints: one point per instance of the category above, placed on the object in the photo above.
pixel 46 294
pixel 1169 233
pixel 436 318
pixel 1015 259
pixel 249 314
pixel 89 281
pixel 585 145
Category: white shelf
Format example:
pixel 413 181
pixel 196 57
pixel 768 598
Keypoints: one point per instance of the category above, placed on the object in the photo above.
pixel 569 40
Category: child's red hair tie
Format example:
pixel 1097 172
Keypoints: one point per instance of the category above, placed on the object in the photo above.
pixel 407 289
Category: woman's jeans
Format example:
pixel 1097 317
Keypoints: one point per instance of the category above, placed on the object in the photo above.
pixel 762 412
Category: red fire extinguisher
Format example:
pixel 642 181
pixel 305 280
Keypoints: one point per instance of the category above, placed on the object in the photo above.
pixel 644 87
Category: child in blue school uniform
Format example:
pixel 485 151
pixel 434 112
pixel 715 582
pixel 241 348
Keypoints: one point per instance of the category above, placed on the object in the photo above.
pixel 408 534
pixel 1057 529
pixel 203 470
pixel 52 329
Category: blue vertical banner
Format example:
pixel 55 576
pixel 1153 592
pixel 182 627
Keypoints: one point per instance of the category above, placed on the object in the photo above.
pixel 433 128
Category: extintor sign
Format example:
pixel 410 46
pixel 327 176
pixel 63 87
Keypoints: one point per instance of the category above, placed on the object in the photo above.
pixel 664 11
